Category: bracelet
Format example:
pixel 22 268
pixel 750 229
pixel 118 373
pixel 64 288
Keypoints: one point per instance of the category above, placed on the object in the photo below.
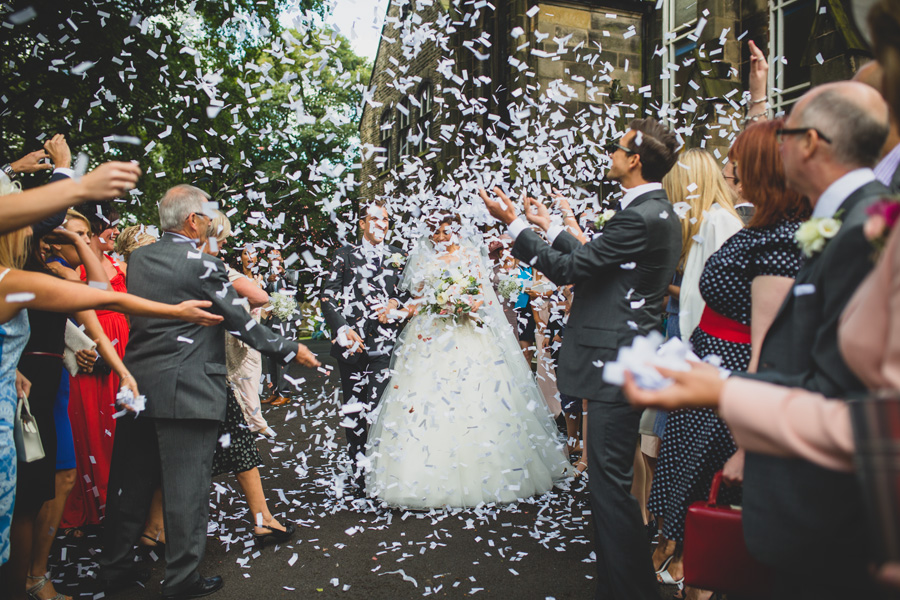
pixel 569 214
pixel 8 171
pixel 760 101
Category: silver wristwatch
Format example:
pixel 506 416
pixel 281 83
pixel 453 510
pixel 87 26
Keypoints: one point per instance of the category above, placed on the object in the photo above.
pixel 8 171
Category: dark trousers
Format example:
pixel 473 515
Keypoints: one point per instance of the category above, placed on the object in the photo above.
pixel 177 453
pixel 363 382
pixel 276 365
pixel 624 568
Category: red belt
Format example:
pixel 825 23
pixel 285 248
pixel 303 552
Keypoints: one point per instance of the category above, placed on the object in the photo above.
pixel 724 328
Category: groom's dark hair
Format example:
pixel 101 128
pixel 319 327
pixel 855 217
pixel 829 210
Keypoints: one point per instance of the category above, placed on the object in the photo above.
pixel 657 147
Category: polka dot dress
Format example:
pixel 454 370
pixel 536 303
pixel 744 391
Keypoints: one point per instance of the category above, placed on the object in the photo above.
pixel 697 442
pixel 241 454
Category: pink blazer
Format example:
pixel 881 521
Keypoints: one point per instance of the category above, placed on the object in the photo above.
pixel 775 420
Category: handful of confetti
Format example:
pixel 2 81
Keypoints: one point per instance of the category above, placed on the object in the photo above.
pixel 283 306
pixel 509 288
pixel 645 353
pixel 126 397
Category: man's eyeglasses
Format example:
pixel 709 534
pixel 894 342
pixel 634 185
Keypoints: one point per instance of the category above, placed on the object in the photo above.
pixel 780 133
pixel 611 147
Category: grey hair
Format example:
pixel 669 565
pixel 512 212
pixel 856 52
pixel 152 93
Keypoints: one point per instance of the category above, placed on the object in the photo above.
pixel 178 204
pixel 856 133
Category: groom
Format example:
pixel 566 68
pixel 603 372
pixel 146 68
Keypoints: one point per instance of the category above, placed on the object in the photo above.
pixel 620 278
pixel 359 300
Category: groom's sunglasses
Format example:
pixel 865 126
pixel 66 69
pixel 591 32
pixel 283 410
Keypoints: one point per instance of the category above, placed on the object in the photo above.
pixel 611 147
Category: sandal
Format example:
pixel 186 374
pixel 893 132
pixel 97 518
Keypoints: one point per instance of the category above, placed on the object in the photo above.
pixel 665 565
pixel 580 469
pixel 34 590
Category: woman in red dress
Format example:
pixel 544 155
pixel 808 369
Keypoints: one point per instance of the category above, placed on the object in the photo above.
pixel 92 396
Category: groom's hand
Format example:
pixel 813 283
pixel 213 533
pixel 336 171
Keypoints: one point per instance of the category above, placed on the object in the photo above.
pixel 501 209
pixel 384 313
pixel 351 341
pixel 537 213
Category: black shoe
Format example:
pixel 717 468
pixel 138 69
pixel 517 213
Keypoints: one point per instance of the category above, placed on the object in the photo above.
pixel 276 536
pixel 126 580
pixel 202 587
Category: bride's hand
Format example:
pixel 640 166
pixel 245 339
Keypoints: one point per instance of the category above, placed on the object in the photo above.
pixel 475 306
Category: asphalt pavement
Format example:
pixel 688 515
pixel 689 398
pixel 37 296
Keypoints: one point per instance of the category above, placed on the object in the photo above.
pixel 345 548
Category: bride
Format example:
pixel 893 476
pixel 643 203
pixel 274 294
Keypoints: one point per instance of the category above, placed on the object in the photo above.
pixel 462 421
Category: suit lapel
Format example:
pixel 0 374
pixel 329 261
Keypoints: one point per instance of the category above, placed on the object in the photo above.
pixel 807 271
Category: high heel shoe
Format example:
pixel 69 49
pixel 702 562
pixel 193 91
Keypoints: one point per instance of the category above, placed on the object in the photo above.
pixel 276 536
pixel 580 469
pixel 34 590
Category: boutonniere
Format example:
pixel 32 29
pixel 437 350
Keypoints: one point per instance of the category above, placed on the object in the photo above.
pixel 396 260
pixel 812 235
pixel 603 218
pixel 883 215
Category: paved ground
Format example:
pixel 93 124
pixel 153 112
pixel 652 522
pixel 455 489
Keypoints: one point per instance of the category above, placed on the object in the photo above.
pixel 352 549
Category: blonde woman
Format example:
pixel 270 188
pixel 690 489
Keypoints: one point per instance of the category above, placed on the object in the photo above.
pixel 705 203
pixel 132 238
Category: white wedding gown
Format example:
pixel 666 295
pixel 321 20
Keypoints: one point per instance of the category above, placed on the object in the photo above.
pixel 462 421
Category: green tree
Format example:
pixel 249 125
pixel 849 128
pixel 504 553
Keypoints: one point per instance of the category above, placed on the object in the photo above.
pixel 215 93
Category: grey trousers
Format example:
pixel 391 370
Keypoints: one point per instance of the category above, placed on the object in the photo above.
pixel 177 453
pixel 624 567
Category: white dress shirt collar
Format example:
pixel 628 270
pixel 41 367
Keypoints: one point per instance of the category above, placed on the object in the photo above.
pixel 632 193
pixel 371 249
pixel 834 195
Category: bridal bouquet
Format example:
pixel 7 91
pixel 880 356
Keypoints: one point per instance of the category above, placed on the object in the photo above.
pixel 454 295
pixel 509 288
pixel 283 306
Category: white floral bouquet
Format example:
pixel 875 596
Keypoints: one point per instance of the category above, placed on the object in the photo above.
pixel 509 288
pixel 454 296
pixel 283 306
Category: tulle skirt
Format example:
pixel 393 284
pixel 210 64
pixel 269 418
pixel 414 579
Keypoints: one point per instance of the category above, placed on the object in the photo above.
pixel 460 423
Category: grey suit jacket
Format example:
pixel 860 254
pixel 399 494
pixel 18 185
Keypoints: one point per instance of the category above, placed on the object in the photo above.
pixel 620 279
pixel 180 366
pixel 792 508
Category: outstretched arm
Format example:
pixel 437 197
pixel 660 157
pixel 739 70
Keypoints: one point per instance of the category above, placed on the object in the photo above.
pixel 23 289
pixel 106 182
pixel 568 261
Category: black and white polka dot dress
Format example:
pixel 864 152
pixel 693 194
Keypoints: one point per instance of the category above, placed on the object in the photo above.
pixel 697 443
pixel 241 453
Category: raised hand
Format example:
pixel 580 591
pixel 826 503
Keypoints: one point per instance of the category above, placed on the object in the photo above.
pixel 537 213
pixel 306 358
pixel 110 180
pixel 561 202
pixel 31 163
pixel 58 151
pixel 502 209
pixel 192 312
pixel 759 73
pixel 62 236
pixel 698 388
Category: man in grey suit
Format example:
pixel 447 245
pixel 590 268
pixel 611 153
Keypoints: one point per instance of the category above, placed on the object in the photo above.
pixel 180 367
pixel 805 521
pixel 620 279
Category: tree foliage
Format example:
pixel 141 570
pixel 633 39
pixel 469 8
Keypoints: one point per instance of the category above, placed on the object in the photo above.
pixel 215 93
